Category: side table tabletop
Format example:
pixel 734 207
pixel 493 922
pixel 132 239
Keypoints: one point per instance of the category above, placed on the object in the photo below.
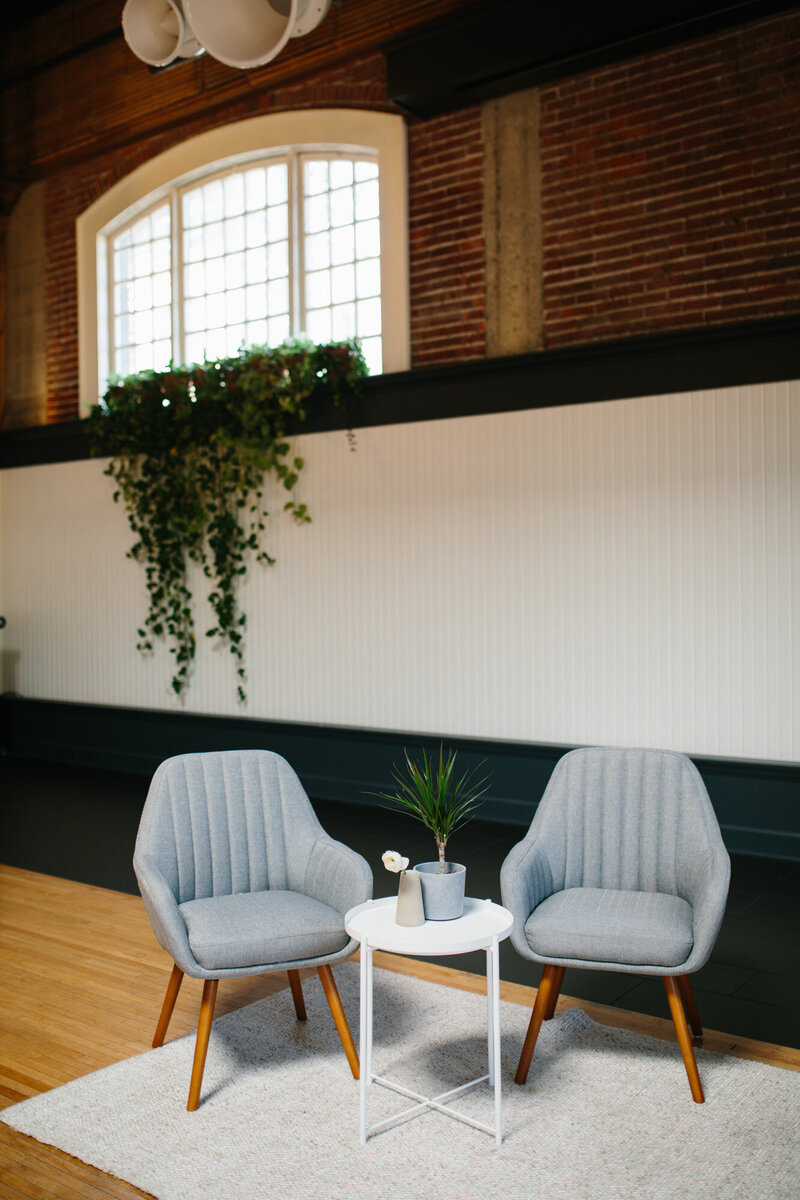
pixel 482 926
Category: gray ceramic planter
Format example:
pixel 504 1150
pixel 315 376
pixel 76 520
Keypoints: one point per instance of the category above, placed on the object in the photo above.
pixel 442 893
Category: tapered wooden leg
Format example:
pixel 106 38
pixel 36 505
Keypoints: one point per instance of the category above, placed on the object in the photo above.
pixel 548 984
pixel 558 979
pixel 173 987
pixel 340 1020
pixel 201 1045
pixel 689 1006
pixel 297 994
pixel 684 1038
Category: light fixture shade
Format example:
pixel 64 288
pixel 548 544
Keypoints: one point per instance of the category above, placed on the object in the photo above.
pixel 309 15
pixel 246 33
pixel 157 31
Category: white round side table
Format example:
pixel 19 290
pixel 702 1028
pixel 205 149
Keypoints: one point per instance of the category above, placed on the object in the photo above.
pixel 482 926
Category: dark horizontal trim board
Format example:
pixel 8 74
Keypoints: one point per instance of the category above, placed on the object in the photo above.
pixel 490 50
pixel 757 803
pixel 752 352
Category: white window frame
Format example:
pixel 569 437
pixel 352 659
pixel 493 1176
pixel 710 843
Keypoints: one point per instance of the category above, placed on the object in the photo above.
pixel 352 131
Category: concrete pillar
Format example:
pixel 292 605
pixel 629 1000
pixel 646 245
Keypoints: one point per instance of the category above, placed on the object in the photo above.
pixel 512 224
pixel 25 345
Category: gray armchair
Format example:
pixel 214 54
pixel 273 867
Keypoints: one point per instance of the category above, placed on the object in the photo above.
pixel 622 869
pixel 239 878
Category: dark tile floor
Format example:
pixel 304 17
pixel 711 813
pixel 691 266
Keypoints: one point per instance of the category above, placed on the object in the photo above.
pixel 81 824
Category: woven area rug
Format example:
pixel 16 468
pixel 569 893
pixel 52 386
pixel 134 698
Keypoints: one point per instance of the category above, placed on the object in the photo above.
pixel 605 1115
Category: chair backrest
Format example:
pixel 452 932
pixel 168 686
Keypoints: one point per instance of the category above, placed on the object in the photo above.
pixel 624 819
pixel 227 822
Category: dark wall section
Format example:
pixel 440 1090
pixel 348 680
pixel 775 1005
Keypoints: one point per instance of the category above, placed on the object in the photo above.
pixel 757 803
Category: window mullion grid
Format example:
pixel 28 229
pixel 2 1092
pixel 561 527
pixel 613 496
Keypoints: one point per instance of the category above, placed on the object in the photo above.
pixel 297 273
pixel 178 346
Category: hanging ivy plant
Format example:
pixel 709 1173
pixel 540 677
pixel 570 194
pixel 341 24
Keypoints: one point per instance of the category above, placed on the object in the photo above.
pixel 190 450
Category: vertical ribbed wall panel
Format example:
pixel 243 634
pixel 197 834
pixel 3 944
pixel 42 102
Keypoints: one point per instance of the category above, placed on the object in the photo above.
pixel 619 573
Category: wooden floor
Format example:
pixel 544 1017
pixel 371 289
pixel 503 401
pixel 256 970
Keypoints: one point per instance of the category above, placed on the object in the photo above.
pixel 83 981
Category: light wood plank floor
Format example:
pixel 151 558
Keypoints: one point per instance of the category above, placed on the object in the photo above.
pixel 83 982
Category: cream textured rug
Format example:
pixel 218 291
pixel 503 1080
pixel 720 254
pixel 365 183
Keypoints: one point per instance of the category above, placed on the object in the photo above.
pixel 605 1115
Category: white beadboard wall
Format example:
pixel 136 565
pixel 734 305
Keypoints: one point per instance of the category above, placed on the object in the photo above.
pixel 625 573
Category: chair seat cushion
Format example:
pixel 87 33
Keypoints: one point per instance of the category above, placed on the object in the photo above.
pixel 257 928
pixel 600 925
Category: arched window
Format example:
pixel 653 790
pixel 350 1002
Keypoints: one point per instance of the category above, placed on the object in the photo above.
pixel 291 225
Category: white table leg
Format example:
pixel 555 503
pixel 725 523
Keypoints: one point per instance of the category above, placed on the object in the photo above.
pixel 493 986
pixel 490 1012
pixel 365 1037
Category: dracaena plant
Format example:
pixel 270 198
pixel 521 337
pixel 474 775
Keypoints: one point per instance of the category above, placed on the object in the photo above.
pixel 191 449
pixel 435 794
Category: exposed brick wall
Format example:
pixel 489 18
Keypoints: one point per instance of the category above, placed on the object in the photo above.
pixel 670 196
pixel 447 250
pixel 671 187
pixel 447 261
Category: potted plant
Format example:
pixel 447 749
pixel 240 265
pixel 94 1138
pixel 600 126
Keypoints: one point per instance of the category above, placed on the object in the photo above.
pixel 433 793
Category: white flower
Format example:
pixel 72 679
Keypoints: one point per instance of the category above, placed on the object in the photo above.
pixel 394 861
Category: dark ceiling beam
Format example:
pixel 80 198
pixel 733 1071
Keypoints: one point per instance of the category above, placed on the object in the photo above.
pixel 490 50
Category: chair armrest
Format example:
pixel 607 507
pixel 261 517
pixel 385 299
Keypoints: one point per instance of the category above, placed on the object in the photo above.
pixel 704 884
pixel 526 879
pixel 337 875
pixel 162 909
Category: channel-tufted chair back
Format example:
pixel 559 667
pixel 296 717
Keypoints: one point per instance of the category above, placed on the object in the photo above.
pixel 630 820
pixel 228 823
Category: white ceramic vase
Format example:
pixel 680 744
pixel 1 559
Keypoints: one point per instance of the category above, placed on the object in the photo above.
pixel 409 900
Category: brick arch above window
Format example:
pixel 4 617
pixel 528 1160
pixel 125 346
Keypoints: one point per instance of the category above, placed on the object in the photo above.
pixel 343 131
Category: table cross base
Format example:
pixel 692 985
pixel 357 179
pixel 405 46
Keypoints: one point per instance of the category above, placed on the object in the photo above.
pixel 433 1102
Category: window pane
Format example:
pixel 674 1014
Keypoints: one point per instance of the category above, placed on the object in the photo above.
pixel 343 284
pixel 234 234
pixel 318 325
pixel 342 207
pixel 368 313
pixel 278 330
pixel 277 184
pixel 278 260
pixel 234 270
pixel 318 251
pixel 233 187
pixel 255 265
pixel 255 188
pixel 317 213
pixel 256 228
pixel 367 197
pixel 213 201
pixel 318 289
pixel 256 303
pixel 343 244
pixel 341 172
pixel 278 297
pixel 368 278
pixel 368 239
pixel 316 177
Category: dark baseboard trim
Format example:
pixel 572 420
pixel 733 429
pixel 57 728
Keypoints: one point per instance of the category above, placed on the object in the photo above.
pixel 757 803
pixel 752 352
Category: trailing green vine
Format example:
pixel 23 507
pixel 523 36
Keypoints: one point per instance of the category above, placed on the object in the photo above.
pixel 190 449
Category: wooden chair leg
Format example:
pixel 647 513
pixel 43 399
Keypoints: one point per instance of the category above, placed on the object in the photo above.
pixel 548 984
pixel 689 1006
pixel 340 1020
pixel 684 1037
pixel 173 987
pixel 558 979
pixel 201 1044
pixel 297 994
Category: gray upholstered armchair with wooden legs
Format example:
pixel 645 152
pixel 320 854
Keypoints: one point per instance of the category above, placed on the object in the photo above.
pixel 239 878
pixel 622 869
